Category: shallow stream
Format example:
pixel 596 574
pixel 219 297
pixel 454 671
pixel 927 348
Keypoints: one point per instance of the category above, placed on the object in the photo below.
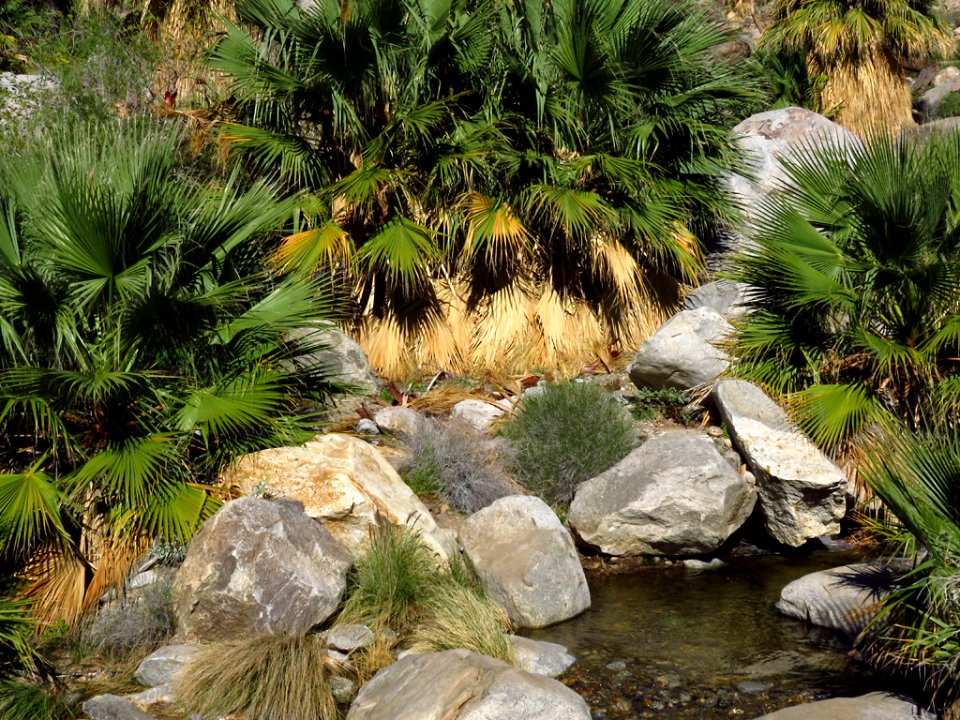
pixel 676 644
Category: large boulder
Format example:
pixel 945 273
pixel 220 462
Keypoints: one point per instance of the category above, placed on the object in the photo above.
pixel 526 560
pixel 803 494
pixel 683 352
pixel 873 706
pixel 462 685
pixel 725 297
pixel 342 481
pixel 339 357
pixel 258 566
pixel 767 139
pixel 674 495
pixel 947 81
pixel 844 598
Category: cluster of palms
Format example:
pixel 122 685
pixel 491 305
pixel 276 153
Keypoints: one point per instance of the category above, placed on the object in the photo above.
pixel 493 179
pixel 855 270
pixel 143 345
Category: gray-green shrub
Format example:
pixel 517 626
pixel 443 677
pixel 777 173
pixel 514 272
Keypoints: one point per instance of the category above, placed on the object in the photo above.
pixel 137 622
pixel 566 434
pixel 460 464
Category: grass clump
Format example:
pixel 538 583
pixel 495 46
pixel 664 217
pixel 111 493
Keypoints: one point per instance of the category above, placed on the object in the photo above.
pixel 389 581
pixel 565 435
pixel 269 677
pixel 458 617
pixel 458 464
pixel 398 586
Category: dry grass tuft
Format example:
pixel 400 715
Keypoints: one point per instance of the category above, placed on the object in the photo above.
pixel 457 617
pixel 270 677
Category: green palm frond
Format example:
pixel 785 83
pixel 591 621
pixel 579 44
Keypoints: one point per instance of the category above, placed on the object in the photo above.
pixel 30 510
pixel 402 251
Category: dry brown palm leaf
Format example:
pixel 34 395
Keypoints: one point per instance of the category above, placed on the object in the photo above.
pixel 56 580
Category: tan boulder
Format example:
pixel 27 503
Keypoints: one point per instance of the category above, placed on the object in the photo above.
pixel 343 482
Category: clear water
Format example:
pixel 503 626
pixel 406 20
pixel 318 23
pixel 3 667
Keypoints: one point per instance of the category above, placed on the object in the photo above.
pixel 670 643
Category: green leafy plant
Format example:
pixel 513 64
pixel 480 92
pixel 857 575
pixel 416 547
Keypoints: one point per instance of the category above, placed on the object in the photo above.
pixel 459 464
pixel 917 631
pixel 565 435
pixel 267 677
pixel 950 107
pixel 142 346
pixel 650 403
pixel 528 164
pixel 854 268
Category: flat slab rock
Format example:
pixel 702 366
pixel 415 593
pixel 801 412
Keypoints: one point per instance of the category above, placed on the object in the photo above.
pixel 874 706
pixel 843 598
pixel 803 494
pixel 674 495
pixel 462 685
pixel 526 561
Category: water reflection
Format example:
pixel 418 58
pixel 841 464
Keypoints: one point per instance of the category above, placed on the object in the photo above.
pixel 678 644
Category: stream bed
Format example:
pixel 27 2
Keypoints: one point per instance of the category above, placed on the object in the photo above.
pixel 672 643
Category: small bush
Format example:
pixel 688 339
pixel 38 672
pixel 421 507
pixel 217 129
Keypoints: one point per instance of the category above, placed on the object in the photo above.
pixel 565 435
pixel 950 107
pixel 135 623
pixel 663 402
pixel 270 677
pixel 459 464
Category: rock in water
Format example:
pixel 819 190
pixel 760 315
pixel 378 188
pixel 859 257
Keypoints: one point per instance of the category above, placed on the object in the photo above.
pixel 526 560
pixel 462 685
pixel 802 492
pixel 674 495
pixel 873 706
pixel 844 598
pixel 258 566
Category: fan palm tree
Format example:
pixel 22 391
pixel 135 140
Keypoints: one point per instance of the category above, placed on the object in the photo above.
pixel 917 631
pixel 142 346
pixel 496 166
pixel 860 48
pixel 855 268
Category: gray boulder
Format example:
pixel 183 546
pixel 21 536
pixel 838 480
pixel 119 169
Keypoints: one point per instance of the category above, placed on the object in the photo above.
pixel 478 414
pixel 397 419
pixel 674 495
pixel 724 297
pixel 349 637
pixel 873 706
pixel 340 357
pixel 162 665
pixel 946 82
pixel 258 566
pixel 539 657
pixel 844 598
pixel 802 492
pixel 113 707
pixel 462 685
pixel 683 352
pixel 766 139
pixel 526 560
